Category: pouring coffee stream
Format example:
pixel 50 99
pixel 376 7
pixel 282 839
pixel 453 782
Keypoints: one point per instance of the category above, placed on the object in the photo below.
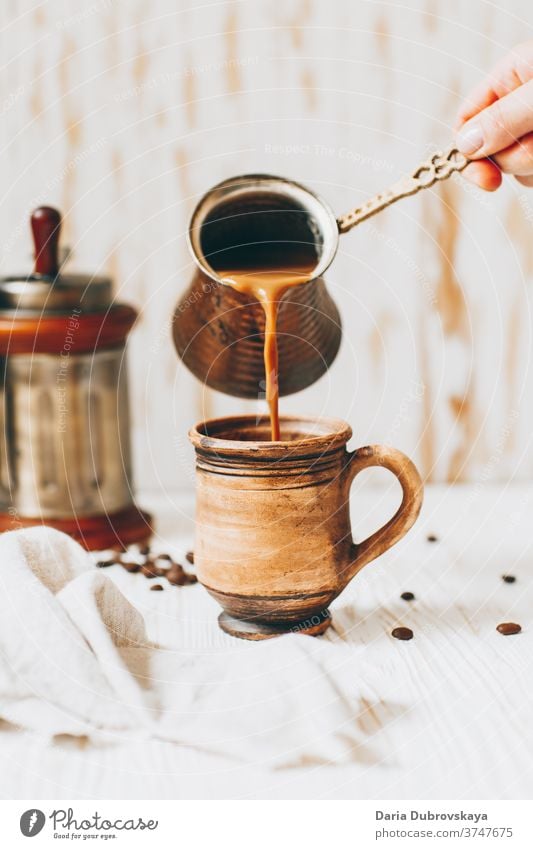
pixel 267 279
pixel 271 239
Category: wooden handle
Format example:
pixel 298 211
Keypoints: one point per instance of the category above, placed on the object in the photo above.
pixel 387 536
pixel 45 225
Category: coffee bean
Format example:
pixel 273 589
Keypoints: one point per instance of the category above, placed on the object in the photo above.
pixel 402 633
pixel 432 538
pixel 174 581
pixel 156 587
pixel 176 575
pixel 141 559
pixel 130 566
pixel 509 579
pixel 509 628
pixel 189 557
pixel 150 570
pixel 408 596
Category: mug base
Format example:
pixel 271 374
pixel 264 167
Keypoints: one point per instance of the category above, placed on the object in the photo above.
pixel 246 630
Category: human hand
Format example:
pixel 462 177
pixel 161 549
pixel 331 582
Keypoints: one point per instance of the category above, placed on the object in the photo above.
pixel 496 120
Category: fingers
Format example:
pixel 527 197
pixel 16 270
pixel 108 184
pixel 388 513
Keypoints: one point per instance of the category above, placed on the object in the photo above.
pixel 484 174
pixel 496 120
pixel 518 158
pixel 481 97
pixel 526 181
pixel 499 125
pixel 515 69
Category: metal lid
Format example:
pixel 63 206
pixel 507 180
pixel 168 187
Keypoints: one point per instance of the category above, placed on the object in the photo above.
pixel 48 289
pixel 58 294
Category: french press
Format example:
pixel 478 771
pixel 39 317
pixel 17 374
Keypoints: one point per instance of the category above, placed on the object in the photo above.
pixel 218 331
pixel 65 456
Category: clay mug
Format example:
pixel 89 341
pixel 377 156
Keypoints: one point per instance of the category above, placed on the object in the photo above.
pixel 273 538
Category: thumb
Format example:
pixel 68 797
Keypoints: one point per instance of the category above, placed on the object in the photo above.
pixel 499 125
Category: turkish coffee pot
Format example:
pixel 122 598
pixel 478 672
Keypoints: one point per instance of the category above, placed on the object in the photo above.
pixel 219 331
pixel 65 456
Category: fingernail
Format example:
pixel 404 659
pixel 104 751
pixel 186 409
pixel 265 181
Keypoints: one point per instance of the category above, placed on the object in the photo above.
pixel 469 139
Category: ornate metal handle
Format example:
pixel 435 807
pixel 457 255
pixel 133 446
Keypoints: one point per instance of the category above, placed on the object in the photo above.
pixel 438 167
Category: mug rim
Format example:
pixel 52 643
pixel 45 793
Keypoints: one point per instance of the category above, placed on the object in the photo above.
pixel 336 433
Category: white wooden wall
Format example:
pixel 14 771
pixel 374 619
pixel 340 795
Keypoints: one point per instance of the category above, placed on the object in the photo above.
pixel 122 112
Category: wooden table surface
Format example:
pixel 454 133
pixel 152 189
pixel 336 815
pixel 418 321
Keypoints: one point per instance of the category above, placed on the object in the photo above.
pixel 445 715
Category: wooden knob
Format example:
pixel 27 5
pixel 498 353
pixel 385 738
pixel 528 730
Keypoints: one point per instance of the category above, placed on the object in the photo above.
pixel 45 225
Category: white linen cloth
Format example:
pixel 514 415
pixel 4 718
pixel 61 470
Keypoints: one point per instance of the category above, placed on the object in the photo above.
pixel 75 660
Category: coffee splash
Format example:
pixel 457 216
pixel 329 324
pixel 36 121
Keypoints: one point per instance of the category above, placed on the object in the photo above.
pixel 266 273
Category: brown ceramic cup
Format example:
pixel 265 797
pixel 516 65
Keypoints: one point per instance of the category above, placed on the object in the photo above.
pixel 273 541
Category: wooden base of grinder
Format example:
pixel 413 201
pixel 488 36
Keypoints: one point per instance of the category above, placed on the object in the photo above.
pixel 106 530
pixel 247 630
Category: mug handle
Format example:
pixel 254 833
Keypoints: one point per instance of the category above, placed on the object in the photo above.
pixel 406 472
